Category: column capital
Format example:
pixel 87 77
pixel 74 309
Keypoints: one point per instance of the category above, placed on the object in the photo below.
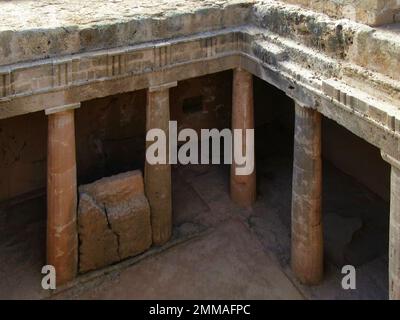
pixel 163 86
pixel 241 69
pixel 303 105
pixel 299 104
pixel 62 108
pixel 390 159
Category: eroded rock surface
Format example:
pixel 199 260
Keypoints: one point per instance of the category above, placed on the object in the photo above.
pixel 372 12
pixel 114 220
pixel 41 29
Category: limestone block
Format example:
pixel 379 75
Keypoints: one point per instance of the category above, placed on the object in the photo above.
pixel 114 220
pixel 130 220
pixel 99 244
pixel 113 190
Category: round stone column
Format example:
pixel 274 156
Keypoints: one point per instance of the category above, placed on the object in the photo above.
pixel 242 187
pixel 307 233
pixel 158 176
pixel 62 236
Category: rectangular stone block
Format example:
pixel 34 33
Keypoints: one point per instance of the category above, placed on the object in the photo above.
pixel 113 219
pixel 114 189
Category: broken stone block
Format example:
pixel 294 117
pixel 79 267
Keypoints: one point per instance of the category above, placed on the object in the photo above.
pixel 98 243
pixel 113 219
pixel 115 189
pixel 131 221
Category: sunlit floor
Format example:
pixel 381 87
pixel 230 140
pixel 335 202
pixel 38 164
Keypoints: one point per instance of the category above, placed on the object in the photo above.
pixel 225 252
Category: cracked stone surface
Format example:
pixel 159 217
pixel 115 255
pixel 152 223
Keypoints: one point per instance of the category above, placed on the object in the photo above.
pixel 113 219
pixel 99 243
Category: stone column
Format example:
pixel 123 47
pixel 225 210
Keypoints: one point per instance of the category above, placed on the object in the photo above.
pixel 394 228
pixel 307 236
pixel 243 187
pixel 158 177
pixel 62 236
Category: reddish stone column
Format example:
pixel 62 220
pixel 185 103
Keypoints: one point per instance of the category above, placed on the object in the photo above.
pixel 394 228
pixel 158 176
pixel 307 236
pixel 243 187
pixel 62 236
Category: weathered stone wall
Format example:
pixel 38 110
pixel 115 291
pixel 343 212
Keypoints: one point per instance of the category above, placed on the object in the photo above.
pixel 22 154
pixel 371 12
pixel 203 102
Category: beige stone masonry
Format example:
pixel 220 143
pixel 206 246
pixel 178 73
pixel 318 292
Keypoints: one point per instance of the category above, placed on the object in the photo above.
pixel 52 75
pixel 383 112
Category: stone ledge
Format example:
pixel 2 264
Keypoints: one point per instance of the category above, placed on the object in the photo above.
pixel 53 28
pixel 58 73
pixel 308 95
pixel 371 12
pixel 375 49
pixel 380 111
